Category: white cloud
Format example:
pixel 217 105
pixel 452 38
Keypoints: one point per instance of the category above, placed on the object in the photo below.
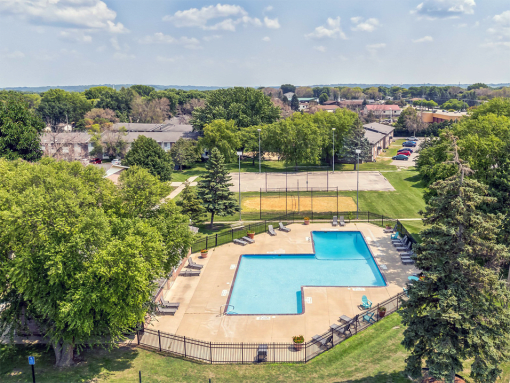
pixel 13 55
pixel 88 14
pixel 320 48
pixel 269 8
pixel 424 39
pixel 123 56
pixel 115 43
pixel 271 23
pixel 164 59
pixel 374 48
pixel 463 25
pixel 211 38
pixel 500 31
pixel 161 38
pixel 368 25
pixel 434 9
pixel 266 39
pixel 331 30
pixel 195 17
pixel 75 36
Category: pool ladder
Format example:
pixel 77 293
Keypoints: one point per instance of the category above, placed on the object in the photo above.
pixel 227 306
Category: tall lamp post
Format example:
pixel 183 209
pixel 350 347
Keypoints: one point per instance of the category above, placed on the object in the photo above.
pixel 239 154
pixel 258 130
pixel 358 151
pixel 334 149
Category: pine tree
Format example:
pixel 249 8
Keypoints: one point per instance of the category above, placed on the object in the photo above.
pixel 356 140
pixel 294 103
pixel 459 310
pixel 213 189
pixel 191 205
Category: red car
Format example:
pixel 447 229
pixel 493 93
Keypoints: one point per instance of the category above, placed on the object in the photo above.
pixel 96 161
pixel 405 153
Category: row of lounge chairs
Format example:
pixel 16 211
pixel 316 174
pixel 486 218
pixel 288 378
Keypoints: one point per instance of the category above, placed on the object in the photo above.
pixel 168 308
pixel 281 227
pixel 195 269
pixel 335 221
pixel 404 247
pixel 324 340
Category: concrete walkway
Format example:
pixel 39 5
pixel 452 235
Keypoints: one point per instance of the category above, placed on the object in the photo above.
pixel 181 186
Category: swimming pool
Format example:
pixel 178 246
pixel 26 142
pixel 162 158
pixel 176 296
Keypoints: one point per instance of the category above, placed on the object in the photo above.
pixel 271 284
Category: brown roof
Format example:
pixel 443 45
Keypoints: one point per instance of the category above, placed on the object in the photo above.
pixel 328 107
pixel 351 102
pixel 382 107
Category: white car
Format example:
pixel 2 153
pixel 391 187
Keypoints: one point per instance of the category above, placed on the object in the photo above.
pixel 116 161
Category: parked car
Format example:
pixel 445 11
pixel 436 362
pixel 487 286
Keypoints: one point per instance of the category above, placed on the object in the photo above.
pixel 412 138
pixel 400 157
pixel 405 153
pixel 116 161
pixel 96 160
pixel 409 143
pixel 405 150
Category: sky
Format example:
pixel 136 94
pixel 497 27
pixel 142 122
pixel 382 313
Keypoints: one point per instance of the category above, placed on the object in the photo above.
pixel 253 43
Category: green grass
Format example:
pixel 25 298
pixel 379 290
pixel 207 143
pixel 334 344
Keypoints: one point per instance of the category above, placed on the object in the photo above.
pixel 414 227
pixel 373 356
pixel 392 150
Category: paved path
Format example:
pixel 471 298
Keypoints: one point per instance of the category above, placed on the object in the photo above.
pixel 181 186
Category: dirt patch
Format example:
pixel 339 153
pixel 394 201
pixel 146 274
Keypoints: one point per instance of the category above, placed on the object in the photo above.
pixel 320 204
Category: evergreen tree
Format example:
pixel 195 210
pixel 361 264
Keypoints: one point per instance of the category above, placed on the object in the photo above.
pixel 459 310
pixel 213 189
pixel 285 100
pixel 356 140
pixel 294 103
pixel 323 98
pixel 148 154
pixel 191 205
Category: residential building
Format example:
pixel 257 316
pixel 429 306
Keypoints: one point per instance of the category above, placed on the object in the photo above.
pixel 71 146
pixel 328 108
pixel 351 104
pixel 379 136
pixel 383 111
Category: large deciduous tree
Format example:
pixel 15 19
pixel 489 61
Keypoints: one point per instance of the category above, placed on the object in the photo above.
pixel 459 311
pixel 79 255
pixel 185 152
pixel 223 135
pixel 245 106
pixel 20 130
pixel 191 205
pixel 148 154
pixel 213 188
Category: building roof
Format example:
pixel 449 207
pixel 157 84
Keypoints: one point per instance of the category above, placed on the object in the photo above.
pixel 332 102
pixel 167 126
pixel 374 137
pixel 440 113
pixel 328 107
pixel 351 102
pixel 167 136
pixel 306 99
pixel 380 128
pixel 69 137
pixel 383 107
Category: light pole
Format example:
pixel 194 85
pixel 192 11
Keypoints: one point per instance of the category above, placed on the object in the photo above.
pixel 258 130
pixel 357 185
pixel 333 150
pixel 239 154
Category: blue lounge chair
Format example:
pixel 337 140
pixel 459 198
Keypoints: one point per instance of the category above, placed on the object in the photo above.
pixel 369 317
pixel 366 303
pixel 395 236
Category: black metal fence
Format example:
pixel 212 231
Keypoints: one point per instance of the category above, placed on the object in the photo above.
pixel 262 226
pixel 246 353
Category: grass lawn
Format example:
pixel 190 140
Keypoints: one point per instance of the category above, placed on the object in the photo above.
pixel 414 227
pixel 359 359
pixel 392 150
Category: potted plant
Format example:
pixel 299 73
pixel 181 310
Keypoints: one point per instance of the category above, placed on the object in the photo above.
pixel 298 342
pixel 307 220
pixel 203 253
pixel 388 227
pixel 251 234
pixel 382 311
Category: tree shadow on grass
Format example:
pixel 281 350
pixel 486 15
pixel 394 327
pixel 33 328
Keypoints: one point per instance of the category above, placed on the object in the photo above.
pixel 90 364
pixel 394 377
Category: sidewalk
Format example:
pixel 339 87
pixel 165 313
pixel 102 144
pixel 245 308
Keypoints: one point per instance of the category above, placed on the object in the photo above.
pixel 180 187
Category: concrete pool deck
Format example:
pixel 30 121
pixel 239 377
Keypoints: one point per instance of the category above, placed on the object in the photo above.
pixel 201 297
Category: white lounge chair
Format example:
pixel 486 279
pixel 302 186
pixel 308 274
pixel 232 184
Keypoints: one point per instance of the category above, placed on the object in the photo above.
pixel 248 239
pixel 240 242
pixel 342 221
pixel 335 220
pixel 283 228
pixel 193 265
pixel 271 230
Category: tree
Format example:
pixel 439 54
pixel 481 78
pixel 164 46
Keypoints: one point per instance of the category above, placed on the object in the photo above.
pixel 224 136
pixel 104 114
pixel 150 112
pixel 323 98
pixel 459 310
pixel 79 255
pixel 190 205
pixel 478 85
pixel 414 122
pixel 148 154
pixel 185 152
pixel 58 106
pixel 304 92
pixel 249 141
pixel 286 88
pixel 20 130
pixel 497 106
pixel 454 104
pixel 143 90
pixel 294 103
pixel 245 106
pixel 356 140
pixel 297 140
pixel 213 189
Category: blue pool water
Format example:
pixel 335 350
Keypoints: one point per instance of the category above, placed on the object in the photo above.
pixel 271 284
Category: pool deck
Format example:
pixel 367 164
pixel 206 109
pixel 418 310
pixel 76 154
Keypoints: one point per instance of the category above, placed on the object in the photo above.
pixel 201 297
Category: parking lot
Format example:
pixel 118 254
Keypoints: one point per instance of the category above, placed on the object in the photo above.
pixel 412 157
